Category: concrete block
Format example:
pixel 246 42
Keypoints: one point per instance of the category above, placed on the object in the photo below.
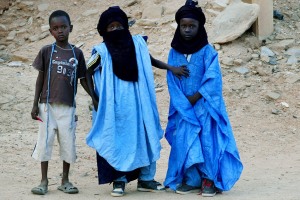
pixel 263 27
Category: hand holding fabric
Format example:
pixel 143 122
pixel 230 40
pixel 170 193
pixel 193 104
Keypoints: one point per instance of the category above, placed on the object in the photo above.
pixel 194 98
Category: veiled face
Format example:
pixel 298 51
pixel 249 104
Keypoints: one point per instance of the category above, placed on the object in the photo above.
pixel 188 28
pixel 115 25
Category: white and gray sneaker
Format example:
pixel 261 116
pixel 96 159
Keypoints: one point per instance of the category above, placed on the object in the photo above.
pixel 118 189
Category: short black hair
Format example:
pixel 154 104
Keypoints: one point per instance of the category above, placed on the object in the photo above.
pixel 59 13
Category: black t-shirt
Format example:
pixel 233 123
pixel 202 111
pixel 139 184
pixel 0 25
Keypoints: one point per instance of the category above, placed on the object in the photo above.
pixel 62 73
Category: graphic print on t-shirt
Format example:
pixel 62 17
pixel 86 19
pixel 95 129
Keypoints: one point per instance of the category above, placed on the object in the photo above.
pixel 65 67
pixel 62 78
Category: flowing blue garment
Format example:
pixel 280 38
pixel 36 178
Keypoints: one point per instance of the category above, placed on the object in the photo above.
pixel 126 130
pixel 200 136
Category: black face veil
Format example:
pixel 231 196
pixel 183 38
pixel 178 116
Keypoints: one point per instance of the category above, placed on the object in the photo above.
pixel 189 10
pixel 119 44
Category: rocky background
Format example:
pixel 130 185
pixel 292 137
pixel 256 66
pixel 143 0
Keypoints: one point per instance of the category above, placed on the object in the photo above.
pixel 260 86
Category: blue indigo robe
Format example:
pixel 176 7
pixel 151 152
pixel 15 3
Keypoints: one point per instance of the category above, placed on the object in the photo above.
pixel 200 136
pixel 126 130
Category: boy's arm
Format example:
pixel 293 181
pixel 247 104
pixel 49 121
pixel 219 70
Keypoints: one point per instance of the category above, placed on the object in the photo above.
pixel 38 91
pixel 84 85
pixel 92 65
pixel 177 71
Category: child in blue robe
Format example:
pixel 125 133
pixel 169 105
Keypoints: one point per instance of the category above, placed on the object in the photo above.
pixel 204 156
pixel 126 130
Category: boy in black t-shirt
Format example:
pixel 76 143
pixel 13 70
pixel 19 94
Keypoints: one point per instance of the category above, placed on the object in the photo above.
pixel 60 65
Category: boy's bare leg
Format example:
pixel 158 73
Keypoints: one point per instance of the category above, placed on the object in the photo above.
pixel 43 187
pixel 65 175
pixel 67 186
pixel 44 169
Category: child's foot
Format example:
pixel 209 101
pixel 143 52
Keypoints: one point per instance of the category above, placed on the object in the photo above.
pixel 42 189
pixel 68 188
pixel 208 188
pixel 186 189
pixel 150 186
pixel 118 189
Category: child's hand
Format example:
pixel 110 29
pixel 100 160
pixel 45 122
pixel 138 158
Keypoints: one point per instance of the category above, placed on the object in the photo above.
pixel 34 112
pixel 180 71
pixel 194 98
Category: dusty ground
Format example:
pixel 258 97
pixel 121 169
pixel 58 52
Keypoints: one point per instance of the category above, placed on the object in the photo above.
pixel 268 143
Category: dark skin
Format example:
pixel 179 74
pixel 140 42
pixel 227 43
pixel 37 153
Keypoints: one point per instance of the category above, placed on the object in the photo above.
pixel 188 30
pixel 177 71
pixel 59 29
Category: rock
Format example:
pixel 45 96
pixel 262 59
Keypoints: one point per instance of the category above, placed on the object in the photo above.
pixel 79 44
pixel 174 25
pixel 238 62
pixel 2 27
pixel 147 22
pixel 292 60
pixel 260 71
pixel 152 12
pixel 255 56
pixel 25 5
pixel 90 12
pixel 11 36
pixel 238 87
pixel 219 4
pixel 130 3
pixel 44 35
pixel 275 111
pixel 15 64
pixel 34 38
pixel 273 60
pixel 253 42
pixel 227 61
pixel 233 22
pixel 285 104
pixel 45 28
pixel 1 60
pixel 273 95
pixel 157 90
pixel 292 78
pixel 282 45
pixel 43 7
pixel 265 58
pixel 20 58
pixel 217 47
pixel 30 20
pixel 265 51
pixel 212 12
pixel 242 70
pixel 294 51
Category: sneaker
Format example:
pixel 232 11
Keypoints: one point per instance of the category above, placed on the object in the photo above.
pixel 208 188
pixel 185 189
pixel 150 186
pixel 118 189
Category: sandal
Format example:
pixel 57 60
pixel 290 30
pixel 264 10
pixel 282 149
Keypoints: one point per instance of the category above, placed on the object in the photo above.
pixel 40 190
pixel 68 188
